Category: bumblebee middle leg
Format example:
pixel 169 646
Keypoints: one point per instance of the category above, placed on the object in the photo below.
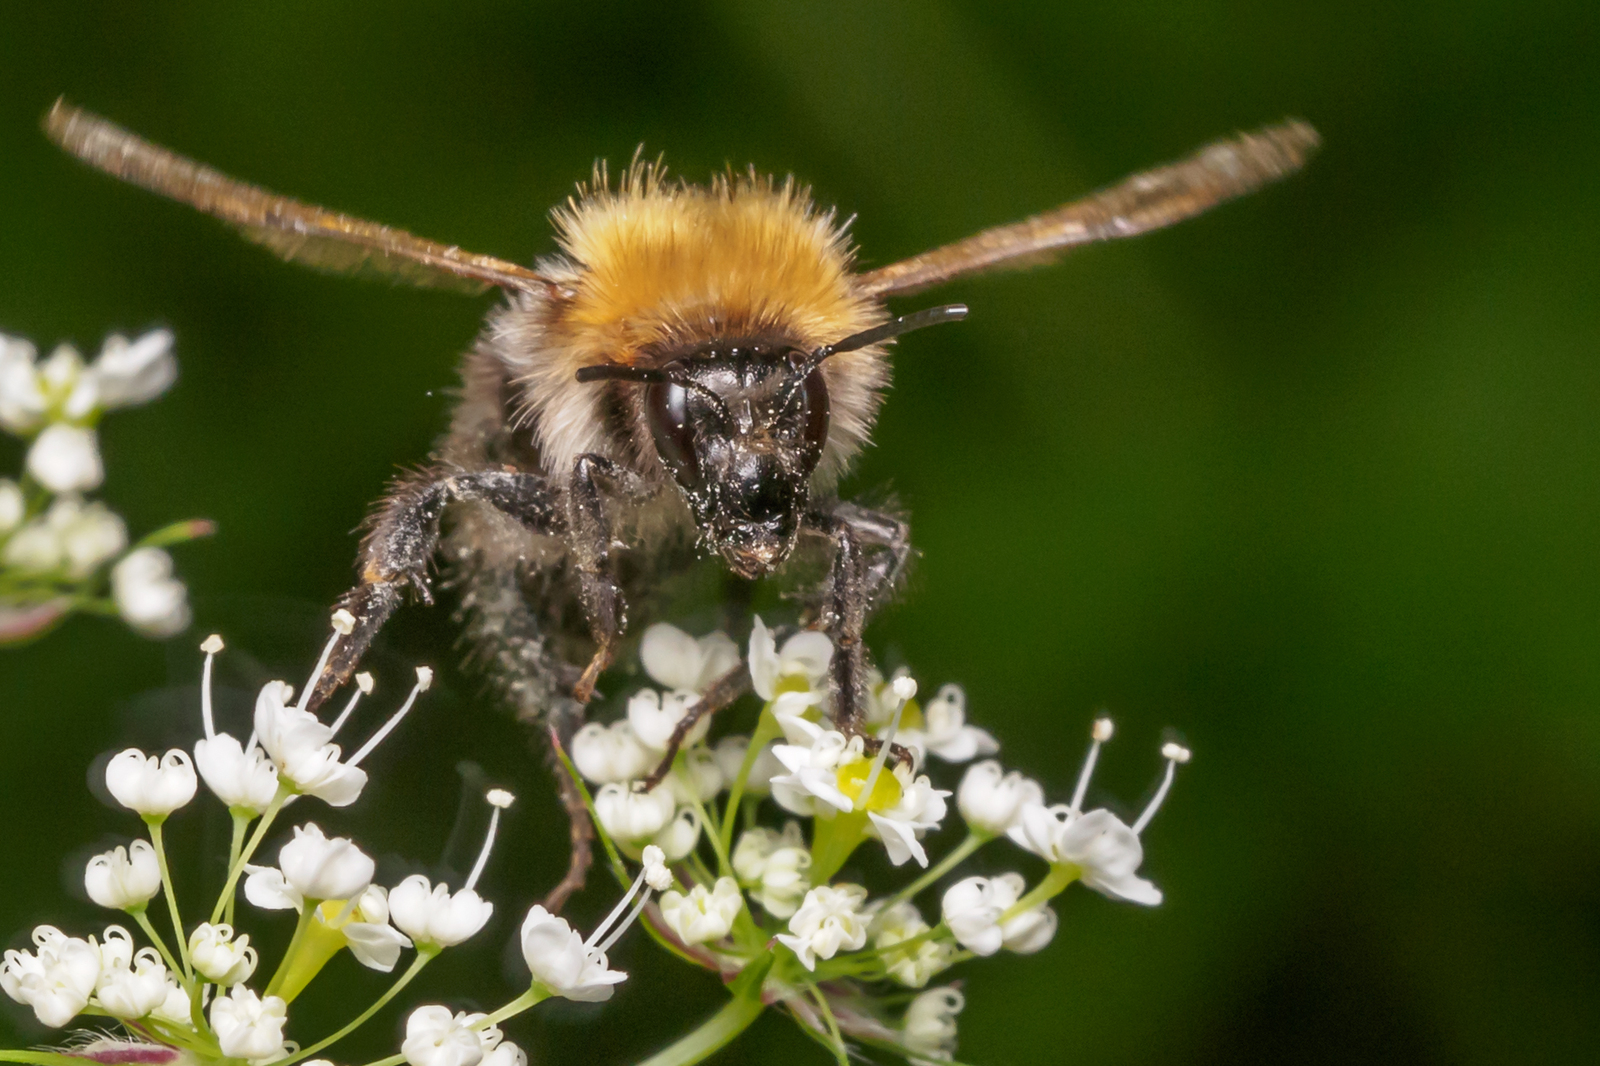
pixel 404 535
pixel 603 603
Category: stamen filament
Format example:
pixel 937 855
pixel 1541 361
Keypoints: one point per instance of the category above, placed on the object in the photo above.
pixel 622 904
pixel 499 799
pixel 1174 755
pixel 424 679
pixel 904 688
pixel 622 926
pixel 212 645
pixel 363 687
pixel 311 682
pixel 1099 735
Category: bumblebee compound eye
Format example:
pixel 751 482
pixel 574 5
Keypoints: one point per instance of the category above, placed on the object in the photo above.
pixel 672 427
pixel 814 419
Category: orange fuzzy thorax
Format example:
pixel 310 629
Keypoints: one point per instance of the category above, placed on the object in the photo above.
pixel 664 265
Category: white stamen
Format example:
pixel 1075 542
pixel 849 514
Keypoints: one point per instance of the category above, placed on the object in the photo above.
pixel 600 930
pixel 1098 734
pixel 903 693
pixel 343 622
pixel 499 799
pixel 212 645
pixel 424 676
pixel 327 653
pixel 1174 754
pixel 622 926
pixel 356 697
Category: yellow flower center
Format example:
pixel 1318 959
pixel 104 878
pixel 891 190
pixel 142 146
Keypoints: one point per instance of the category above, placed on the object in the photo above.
pixel 852 778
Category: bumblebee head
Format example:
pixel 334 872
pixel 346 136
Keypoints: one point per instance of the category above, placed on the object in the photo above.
pixel 741 426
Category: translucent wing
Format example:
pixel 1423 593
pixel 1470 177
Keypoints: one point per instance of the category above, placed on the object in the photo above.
pixel 1147 201
pixel 298 231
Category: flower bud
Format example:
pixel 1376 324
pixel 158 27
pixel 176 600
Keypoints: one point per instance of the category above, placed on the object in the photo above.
pixel 66 458
pixel 930 1023
pixel 654 717
pixel 430 914
pixel 829 921
pixel 133 991
pixel 219 957
pixel 991 800
pixel 558 960
pixel 148 597
pixel 436 1038
pixel 247 1026
pixel 320 867
pixel 153 787
pixel 631 816
pixel 704 914
pixel 123 878
pixel 609 754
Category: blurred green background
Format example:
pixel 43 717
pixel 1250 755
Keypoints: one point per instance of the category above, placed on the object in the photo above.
pixel 1312 479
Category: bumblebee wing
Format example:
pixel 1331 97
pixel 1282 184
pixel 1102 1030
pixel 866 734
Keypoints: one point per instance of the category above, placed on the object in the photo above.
pixel 1155 198
pixel 297 231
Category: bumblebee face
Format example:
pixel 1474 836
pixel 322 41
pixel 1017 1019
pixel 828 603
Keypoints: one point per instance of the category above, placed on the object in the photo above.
pixel 741 427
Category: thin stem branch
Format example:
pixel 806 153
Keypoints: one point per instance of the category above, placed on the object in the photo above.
pixel 172 896
pixel 424 956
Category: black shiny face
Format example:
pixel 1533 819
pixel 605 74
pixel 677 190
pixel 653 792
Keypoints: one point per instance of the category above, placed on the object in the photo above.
pixel 741 427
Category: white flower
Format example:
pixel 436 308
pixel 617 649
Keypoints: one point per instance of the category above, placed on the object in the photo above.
pixel 66 458
pixel 148 597
pixel 57 981
pixel 930 1024
pixel 319 867
pixel 372 941
pixel 135 990
pixel 175 1009
pixel 12 505
pixel 22 400
pixel 800 668
pixel 973 909
pixel 829 921
pixel 920 807
pixel 698 780
pixel 704 914
pixel 813 767
pixel 912 966
pixel 131 374
pixel 153 787
pixel 116 951
pixel 430 914
pixel 243 780
pixel 678 838
pixel 654 717
pixel 247 1026
pixel 677 661
pixel 299 744
pixel 629 815
pixel 610 754
pixel 219 957
pixel 123 878
pixel 944 731
pixel 435 1038
pixel 730 752
pixel 990 799
pixel 88 534
pixel 561 961
pixel 506 1054
pixel 1106 850
pixel 773 866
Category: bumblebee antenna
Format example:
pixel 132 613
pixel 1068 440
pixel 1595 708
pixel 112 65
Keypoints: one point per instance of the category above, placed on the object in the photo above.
pixel 930 316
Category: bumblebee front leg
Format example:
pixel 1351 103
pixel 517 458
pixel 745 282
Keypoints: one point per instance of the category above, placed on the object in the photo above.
pixel 856 586
pixel 405 532
pixel 603 604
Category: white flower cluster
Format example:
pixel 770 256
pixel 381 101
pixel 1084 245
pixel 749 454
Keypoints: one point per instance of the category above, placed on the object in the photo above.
pixel 189 989
pixel 55 546
pixel 770 908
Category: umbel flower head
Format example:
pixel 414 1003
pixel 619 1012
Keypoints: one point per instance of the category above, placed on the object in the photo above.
pixel 58 551
pixel 767 891
pixel 198 993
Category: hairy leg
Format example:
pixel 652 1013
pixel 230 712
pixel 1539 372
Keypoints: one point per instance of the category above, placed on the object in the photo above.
pixel 603 604
pixel 405 531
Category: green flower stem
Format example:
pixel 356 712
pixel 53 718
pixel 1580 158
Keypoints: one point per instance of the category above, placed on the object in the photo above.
pixel 536 993
pixel 425 955
pixel 974 841
pixel 1055 882
pixel 241 822
pixel 717 1031
pixel 832 842
pixel 617 868
pixel 767 730
pixel 835 1038
pixel 154 823
pixel 308 910
pixel 237 866
pixel 392 1060
pixel 155 938
pixel 177 533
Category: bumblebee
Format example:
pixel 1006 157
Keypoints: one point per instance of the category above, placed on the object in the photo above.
pixel 689 376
